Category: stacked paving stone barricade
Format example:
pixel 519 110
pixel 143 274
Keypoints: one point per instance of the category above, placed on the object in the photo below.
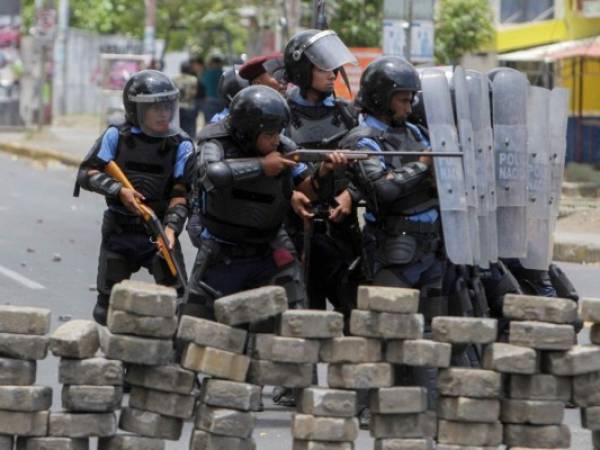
pixel 583 363
pixel 140 328
pixel 24 408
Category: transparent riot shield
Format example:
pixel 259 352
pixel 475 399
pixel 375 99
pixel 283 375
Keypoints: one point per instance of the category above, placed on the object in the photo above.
pixel 465 135
pixel 538 181
pixel 479 101
pixel 509 110
pixel 558 112
pixel 448 171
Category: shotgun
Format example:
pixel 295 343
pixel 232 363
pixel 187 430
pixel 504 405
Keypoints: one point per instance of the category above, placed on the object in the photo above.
pixel 311 155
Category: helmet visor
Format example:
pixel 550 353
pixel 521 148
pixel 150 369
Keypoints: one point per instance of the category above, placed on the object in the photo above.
pixel 327 51
pixel 158 114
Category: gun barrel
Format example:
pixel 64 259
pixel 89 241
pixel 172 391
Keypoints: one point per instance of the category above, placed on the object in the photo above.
pixel 315 155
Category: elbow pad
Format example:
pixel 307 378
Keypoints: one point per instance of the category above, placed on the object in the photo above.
pixel 176 216
pixel 101 183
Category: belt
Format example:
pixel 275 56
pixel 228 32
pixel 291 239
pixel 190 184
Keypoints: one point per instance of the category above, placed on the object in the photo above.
pixel 397 225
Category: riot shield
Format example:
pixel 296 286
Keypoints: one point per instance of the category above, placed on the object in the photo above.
pixel 479 101
pixel 509 110
pixel 465 135
pixel 448 171
pixel 558 119
pixel 538 181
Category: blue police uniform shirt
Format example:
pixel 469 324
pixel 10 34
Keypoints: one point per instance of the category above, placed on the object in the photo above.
pixel 108 149
pixel 429 216
pixel 220 116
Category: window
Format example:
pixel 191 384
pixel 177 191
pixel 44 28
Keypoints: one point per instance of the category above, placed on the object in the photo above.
pixel 519 11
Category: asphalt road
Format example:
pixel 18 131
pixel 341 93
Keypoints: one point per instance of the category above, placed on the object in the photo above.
pixel 48 257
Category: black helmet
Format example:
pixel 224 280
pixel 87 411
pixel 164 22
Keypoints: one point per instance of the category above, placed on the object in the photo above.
pixel 309 48
pixel 146 89
pixel 384 77
pixel 257 109
pixel 230 84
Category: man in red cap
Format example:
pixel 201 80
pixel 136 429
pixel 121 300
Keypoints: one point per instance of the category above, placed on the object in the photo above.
pixel 267 70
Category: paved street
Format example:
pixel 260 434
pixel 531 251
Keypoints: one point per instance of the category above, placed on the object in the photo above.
pixel 48 252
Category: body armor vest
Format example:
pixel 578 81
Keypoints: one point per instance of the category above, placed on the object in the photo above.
pixel 249 211
pixel 149 164
pixel 394 140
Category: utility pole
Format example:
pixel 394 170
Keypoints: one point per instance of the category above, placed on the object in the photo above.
pixel 150 27
pixel 60 58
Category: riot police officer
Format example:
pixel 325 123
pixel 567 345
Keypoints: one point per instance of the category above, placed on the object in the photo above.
pixel 247 186
pixel 402 233
pixel 230 84
pixel 153 153
pixel 312 60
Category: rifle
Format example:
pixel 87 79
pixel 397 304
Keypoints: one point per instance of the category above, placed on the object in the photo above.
pixel 149 216
pixel 312 155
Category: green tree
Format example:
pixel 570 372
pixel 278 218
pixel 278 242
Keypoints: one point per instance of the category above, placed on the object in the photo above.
pixel 358 22
pixel 461 26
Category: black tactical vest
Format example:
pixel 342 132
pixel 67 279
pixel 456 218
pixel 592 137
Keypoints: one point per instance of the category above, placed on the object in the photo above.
pixel 250 212
pixel 149 164
pixel 426 197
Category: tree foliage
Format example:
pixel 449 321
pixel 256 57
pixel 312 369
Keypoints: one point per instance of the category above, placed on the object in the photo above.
pixel 358 22
pixel 461 26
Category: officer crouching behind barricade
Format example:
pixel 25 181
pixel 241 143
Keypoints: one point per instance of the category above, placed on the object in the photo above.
pixel 402 233
pixel 247 186
pixel 153 153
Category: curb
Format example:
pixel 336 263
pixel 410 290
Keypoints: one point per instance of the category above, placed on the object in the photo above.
pixel 576 253
pixel 39 153
pixel 581 189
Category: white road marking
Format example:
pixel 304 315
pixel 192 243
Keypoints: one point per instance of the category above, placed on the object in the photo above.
pixel 20 278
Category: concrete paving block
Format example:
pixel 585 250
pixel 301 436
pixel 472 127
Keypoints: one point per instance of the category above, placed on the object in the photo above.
pixel 91 398
pixel 539 387
pixel 403 444
pixel 387 299
pixel 364 324
pixel 51 443
pixel 507 358
pixel 23 346
pixel 225 422
pixel 91 372
pixel 136 350
pixel 398 400
pixel 464 330
pixel 215 362
pixel 299 444
pixel 269 373
pixel 313 428
pixel 350 349
pixel 539 309
pixel 360 376
pixel 460 382
pixel 590 309
pixel 310 323
pixel 541 336
pixel 25 398
pixel 418 352
pixel 164 403
pixel 285 349
pixel 578 360
pixel 542 436
pixel 167 378
pixel 590 418
pixel 212 334
pixel 24 423
pixel 123 322
pixel 82 425
pixel 470 447
pixel 201 440
pixel 6 443
pixel 17 372
pixel 251 305
pixel 400 326
pixel 467 409
pixel 533 412
pixel 586 389
pixel 317 401
pixel 231 394
pixel 24 320
pixel 144 299
pixel 403 426
pixel 75 339
pixel 149 424
pixel 130 442
pixel 469 433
